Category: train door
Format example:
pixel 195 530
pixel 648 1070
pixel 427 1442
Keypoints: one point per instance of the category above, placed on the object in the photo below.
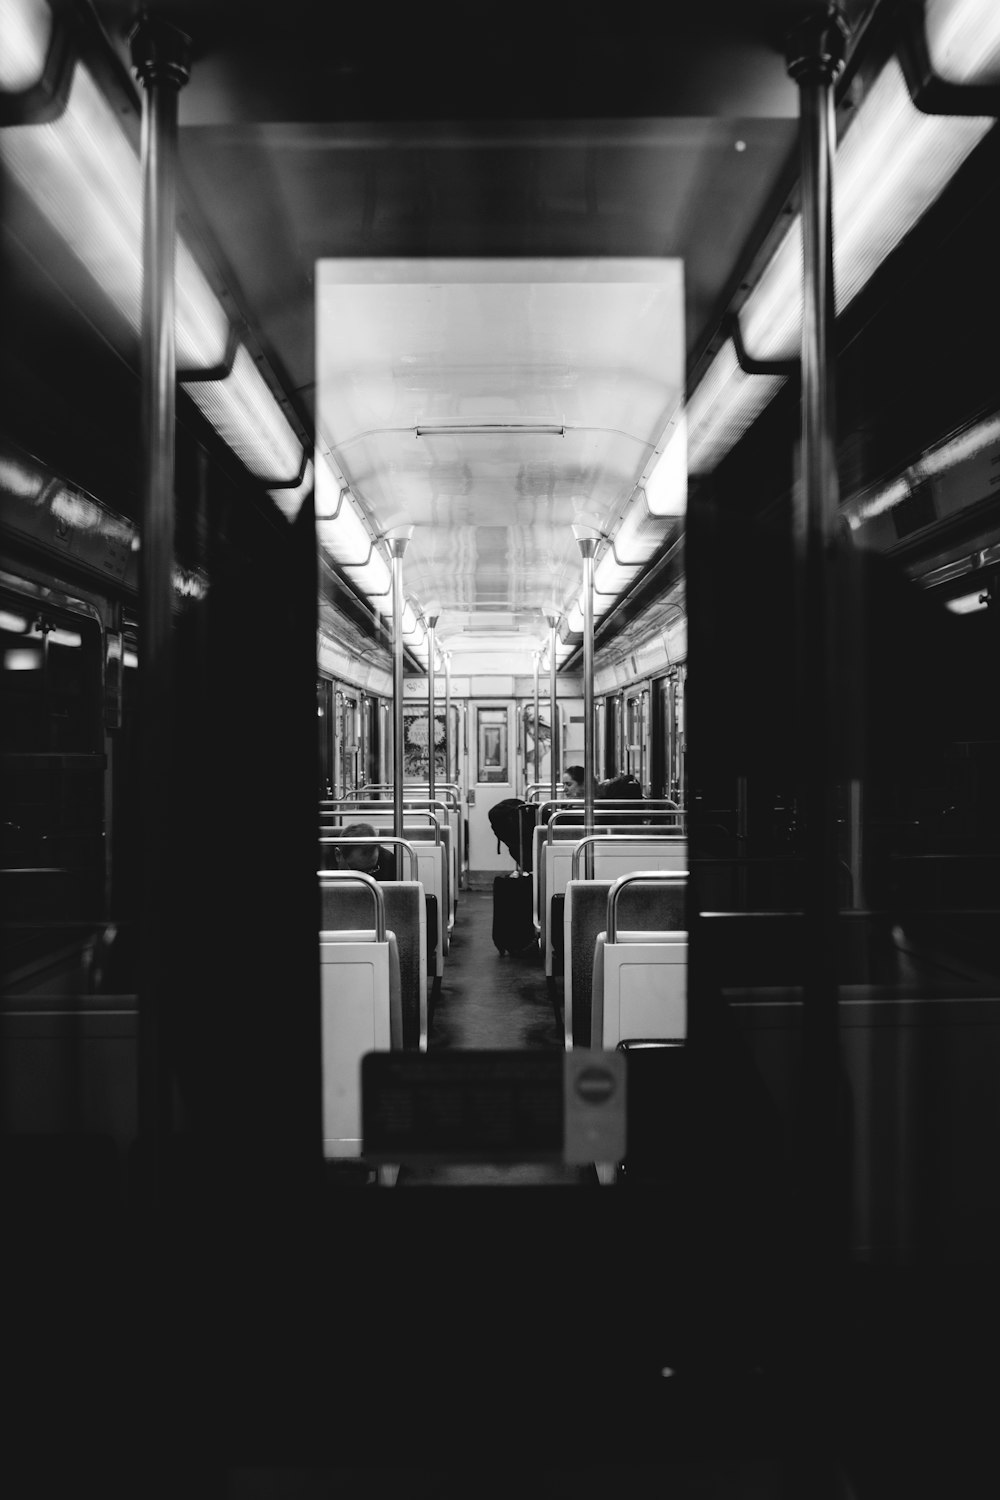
pixel 491 776
pixel 570 732
pixel 347 738
pixel 636 758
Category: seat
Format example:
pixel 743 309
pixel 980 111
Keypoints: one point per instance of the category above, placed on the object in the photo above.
pixel 361 1012
pixel 344 905
pixel 648 905
pixel 640 977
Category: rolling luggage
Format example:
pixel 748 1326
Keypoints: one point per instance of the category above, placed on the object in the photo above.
pixel 513 923
pixel 513 822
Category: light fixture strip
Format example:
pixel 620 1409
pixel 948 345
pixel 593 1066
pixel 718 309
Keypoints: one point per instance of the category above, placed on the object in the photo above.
pixel 26 31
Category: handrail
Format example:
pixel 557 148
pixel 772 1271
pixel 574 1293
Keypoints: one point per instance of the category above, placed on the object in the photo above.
pixel 366 841
pixel 628 835
pixel 421 788
pixel 637 805
pixel 360 878
pixel 657 829
pixel 619 885
pixel 432 821
pixel 425 804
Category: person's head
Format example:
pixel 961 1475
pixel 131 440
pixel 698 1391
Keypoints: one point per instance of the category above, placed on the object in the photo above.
pixel 363 857
pixel 573 781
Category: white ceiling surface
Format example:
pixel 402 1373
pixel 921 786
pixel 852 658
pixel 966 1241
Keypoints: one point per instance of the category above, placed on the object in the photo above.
pixel 595 347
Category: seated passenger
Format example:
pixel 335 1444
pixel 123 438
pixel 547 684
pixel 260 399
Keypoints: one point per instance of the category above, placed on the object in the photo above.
pixel 371 859
pixel 573 781
pixel 618 788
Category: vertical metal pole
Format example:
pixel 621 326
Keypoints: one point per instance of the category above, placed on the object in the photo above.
pixel 431 729
pixel 363 739
pixel 447 716
pixel 161 59
pixel 397 542
pixel 815 56
pixel 588 547
pixel 538 658
pixel 553 621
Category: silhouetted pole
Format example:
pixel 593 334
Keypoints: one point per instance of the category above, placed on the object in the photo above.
pixel 588 547
pixel 161 59
pixel 397 542
pixel 431 628
pixel 553 621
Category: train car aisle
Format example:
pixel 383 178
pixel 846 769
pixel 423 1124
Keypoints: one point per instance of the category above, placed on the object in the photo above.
pixel 490 1001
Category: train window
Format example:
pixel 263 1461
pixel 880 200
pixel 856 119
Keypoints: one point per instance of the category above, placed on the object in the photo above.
pixel 324 725
pixel 51 677
pixel 492 744
pixel 417 743
pixel 51 713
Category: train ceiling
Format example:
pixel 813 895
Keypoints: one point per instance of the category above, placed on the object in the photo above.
pixel 527 231
pixel 488 220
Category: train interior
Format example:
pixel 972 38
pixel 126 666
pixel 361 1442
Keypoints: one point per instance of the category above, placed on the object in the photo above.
pixel 499 593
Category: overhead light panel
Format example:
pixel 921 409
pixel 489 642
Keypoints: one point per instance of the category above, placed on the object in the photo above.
pixel 665 484
pixel 967 604
pixel 26 29
pixel 245 414
pixel 723 406
pixel 890 167
pixel 963 39
pixel 289 500
pixel 83 175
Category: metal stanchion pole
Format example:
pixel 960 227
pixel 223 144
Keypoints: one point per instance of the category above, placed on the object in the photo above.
pixel 552 621
pixel 161 59
pixel 432 754
pixel 588 547
pixel 397 542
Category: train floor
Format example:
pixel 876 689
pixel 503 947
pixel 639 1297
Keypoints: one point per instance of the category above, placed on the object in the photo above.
pixel 491 1001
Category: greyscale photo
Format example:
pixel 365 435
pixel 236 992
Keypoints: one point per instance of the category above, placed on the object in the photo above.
pixel 500 748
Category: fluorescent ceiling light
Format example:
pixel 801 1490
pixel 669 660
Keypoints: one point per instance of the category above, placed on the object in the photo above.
pixel 891 165
pixel 289 501
pixel 611 579
pixel 963 40
pixel 724 405
pixel 17 478
pixel 246 416
pixel 26 29
pixel 665 483
pixel 343 534
pixel 966 604
pixel 82 173
pixel 23 659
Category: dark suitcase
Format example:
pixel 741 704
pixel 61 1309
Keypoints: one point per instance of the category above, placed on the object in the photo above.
pixel 513 924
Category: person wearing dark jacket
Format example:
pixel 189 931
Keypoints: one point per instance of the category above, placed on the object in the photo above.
pixel 370 859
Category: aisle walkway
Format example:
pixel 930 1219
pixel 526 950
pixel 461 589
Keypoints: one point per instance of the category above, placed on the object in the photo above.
pixel 488 1000
pixel 491 1002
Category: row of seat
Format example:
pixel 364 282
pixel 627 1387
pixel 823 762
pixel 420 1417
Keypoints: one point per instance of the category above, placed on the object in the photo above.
pixel 607 849
pixel 380 944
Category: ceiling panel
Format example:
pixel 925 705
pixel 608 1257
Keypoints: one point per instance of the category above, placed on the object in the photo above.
pixel 491 404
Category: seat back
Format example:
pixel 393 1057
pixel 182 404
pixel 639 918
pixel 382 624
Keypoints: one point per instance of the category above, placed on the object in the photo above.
pixel 652 905
pixel 611 852
pixel 359 986
pixel 640 987
pixel 640 977
pixel 344 905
